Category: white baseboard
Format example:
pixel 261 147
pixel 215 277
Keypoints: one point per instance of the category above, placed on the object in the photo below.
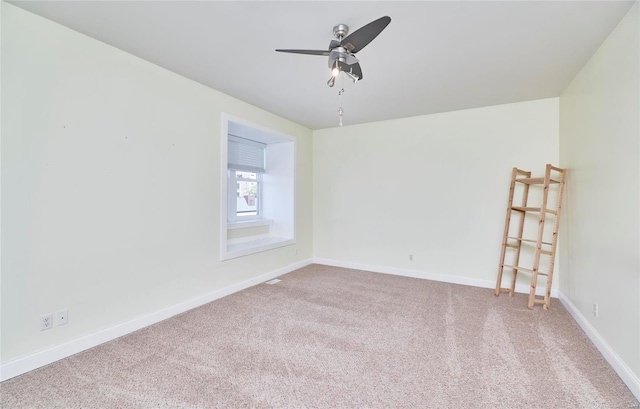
pixel 46 356
pixel 622 369
pixel 447 278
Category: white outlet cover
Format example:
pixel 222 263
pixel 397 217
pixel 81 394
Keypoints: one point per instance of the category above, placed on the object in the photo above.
pixel 62 317
pixel 46 322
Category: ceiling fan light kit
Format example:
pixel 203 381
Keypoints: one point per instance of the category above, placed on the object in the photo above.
pixel 342 50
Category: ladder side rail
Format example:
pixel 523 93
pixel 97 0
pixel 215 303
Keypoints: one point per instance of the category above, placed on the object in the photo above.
pixel 543 214
pixel 554 241
pixel 516 260
pixel 507 221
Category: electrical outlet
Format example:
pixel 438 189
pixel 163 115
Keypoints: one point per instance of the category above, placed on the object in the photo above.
pixel 62 317
pixel 410 257
pixel 596 311
pixel 46 322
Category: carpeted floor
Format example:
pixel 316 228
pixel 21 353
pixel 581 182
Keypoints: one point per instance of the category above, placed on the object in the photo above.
pixel 328 337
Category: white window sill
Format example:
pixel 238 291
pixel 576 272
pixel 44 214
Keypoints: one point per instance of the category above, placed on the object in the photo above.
pixel 255 246
pixel 242 224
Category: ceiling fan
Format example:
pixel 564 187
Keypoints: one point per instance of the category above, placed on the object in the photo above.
pixel 342 51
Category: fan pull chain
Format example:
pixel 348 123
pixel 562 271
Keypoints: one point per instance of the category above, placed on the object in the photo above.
pixel 340 110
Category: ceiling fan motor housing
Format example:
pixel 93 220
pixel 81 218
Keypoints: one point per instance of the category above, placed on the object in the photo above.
pixel 337 54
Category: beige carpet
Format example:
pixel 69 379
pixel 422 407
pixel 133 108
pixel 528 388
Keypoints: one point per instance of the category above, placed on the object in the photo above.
pixel 335 338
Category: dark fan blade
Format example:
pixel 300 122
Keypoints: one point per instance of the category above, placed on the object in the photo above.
pixel 333 44
pixel 310 52
pixel 354 69
pixel 359 39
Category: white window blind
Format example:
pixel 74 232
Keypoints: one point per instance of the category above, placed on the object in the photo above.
pixel 245 154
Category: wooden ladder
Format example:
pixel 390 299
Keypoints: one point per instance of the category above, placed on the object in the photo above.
pixel 547 248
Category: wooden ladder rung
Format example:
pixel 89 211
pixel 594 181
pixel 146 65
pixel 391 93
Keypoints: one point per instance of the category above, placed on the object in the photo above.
pixel 513 246
pixel 529 240
pixel 531 209
pixel 526 270
pixel 535 181
pixel 547 252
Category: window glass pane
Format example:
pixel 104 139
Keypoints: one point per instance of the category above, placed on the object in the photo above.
pixel 247 193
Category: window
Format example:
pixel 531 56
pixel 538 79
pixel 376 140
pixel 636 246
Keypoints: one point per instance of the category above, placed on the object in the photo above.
pixel 247 195
pixel 245 164
pixel 258 187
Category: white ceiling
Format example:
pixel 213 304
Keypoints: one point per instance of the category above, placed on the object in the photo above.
pixel 433 57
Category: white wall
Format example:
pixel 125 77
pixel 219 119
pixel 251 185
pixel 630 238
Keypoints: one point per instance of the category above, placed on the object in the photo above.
pixel 600 144
pixel 434 186
pixel 110 186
